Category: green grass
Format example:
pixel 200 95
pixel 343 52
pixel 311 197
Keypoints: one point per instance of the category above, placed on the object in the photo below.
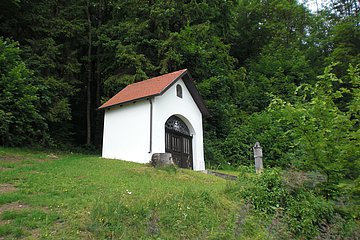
pixel 230 172
pixel 74 196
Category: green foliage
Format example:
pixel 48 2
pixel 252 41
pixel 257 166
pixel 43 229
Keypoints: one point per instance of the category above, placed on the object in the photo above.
pixel 323 136
pixel 309 132
pixel 266 192
pixel 260 23
pixel 239 52
pixel 196 48
pixel 214 157
pixel 286 198
pixel 223 94
pixel 345 37
pixel 278 71
pixel 264 128
pixel 21 120
pixel 354 106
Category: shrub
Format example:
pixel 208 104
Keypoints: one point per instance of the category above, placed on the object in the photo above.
pixel 270 193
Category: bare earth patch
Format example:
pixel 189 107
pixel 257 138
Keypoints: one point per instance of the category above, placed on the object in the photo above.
pixel 57 227
pixel 12 207
pixel 4 222
pixel 52 156
pixel 139 169
pixel 8 158
pixel 13 159
pixel 35 234
pixel 3 169
pixel 7 187
pixel 85 235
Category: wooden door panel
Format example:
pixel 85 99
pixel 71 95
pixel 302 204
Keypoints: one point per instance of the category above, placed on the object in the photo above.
pixel 180 146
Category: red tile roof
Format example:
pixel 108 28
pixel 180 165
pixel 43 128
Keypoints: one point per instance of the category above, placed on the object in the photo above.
pixel 146 88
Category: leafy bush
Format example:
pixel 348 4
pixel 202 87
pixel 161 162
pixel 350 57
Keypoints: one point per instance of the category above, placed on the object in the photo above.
pixel 20 118
pixel 270 193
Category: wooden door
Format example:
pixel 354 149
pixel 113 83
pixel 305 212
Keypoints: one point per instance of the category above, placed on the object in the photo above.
pixel 178 142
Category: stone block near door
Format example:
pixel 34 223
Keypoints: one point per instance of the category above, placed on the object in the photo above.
pixel 161 160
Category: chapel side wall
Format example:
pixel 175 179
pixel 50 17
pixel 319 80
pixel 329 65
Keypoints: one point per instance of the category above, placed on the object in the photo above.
pixel 169 104
pixel 127 132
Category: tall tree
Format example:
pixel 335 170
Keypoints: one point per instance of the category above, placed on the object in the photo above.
pixel 21 121
pixel 89 75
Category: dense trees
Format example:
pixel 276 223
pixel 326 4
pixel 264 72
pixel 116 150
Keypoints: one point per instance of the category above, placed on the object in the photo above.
pixel 20 119
pixel 243 55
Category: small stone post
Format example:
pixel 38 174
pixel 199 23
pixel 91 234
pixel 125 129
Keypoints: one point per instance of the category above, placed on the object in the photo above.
pixel 258 158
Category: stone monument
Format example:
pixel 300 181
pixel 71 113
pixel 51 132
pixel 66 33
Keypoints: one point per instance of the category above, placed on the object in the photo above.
pixel 258 154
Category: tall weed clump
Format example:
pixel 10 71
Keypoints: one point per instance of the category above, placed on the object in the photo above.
pixel 288 206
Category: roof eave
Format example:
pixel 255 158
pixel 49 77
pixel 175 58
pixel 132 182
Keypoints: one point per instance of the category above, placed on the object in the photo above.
pixel 127 102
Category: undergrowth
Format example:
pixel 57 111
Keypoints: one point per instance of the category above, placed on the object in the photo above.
pixel 291 207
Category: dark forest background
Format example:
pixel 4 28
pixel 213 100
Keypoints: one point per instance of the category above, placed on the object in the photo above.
pixel 269 71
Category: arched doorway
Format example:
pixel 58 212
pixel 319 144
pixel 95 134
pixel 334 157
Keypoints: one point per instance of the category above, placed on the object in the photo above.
pixel 178 142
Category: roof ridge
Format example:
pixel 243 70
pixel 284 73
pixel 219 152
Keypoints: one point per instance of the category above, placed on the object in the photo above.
pixel 161 76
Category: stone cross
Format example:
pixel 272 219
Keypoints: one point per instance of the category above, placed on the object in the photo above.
pixel 258 158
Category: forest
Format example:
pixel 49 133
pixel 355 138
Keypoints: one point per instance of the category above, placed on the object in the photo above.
pixel 271 71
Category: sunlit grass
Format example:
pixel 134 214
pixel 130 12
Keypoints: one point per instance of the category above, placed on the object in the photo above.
pixel 76 196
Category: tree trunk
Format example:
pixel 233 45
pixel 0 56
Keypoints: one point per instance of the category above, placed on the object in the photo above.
pixel 98 70
pixel 97 141
pixel 88 86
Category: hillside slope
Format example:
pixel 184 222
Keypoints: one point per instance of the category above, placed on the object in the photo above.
pixel 76 196
pixel 72 196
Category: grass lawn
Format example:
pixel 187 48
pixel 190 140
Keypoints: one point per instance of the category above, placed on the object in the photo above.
pixel 74 196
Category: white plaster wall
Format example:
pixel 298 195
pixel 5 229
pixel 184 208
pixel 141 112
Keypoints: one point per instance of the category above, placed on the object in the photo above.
pixel 127 132
pixel 169 104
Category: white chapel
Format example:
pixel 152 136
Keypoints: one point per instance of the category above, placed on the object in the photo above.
pixel 159 115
